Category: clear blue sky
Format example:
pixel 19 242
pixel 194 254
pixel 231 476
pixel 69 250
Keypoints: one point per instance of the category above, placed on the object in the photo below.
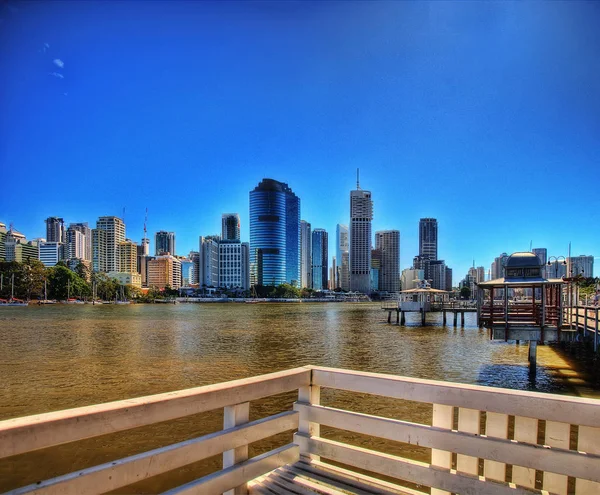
pixel 485 115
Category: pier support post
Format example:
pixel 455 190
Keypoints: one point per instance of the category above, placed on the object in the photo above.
pixel 585 322
pixel 422 316
pixel 234 416
pixel 402 318
pixel 389 317
pixel 455 317
pixel 462 318
pixel 444 318
pixel 532 356
pixel 397 316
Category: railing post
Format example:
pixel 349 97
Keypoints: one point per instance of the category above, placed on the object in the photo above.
pixel 596 333
pixel 234 416
pixel 310 394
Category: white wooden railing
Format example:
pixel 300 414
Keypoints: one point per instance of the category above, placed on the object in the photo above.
pixel 482 439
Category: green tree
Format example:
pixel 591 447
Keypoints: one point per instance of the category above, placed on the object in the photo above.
pixel 34 274
pixel 465 292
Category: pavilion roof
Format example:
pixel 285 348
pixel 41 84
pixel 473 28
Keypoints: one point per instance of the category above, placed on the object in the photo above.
pixel 519 282
pixel 426 291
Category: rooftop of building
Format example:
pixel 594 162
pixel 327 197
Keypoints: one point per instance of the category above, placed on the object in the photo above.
pixel 273 185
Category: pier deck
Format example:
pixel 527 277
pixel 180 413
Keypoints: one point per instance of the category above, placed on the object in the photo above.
pixel 478 439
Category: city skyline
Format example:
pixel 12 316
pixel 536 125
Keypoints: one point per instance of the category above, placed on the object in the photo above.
pixel 475 100
pixel 405 262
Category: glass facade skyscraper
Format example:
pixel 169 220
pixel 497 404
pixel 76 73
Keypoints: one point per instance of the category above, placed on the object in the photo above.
pixel 274 234
pixel 320 258
pixel 428 238
pixel 164 242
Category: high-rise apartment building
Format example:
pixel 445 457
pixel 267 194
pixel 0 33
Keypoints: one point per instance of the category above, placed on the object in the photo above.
pixel 320 257
pixel 345 271
pixel 79 242
pixel 164 242
pixel 448 279
pixel 76 245
pixel 305 254
pixel 114 229
pixel 497 268
pixel 233 267
pixel 99 257
pixel 428 238
pixel 580 265
pixel 55 230
pixel 230 227
pixel 274 234
pixel 387 242
pixel 437 269
pixel 195 259
pixel 208 261
pixel 128 261
pixel 341 246
pixel 361 215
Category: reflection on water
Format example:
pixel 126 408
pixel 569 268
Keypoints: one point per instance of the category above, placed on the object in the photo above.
pixel 57 357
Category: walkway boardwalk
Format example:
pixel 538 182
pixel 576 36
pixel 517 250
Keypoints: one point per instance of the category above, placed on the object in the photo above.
pixel 480 439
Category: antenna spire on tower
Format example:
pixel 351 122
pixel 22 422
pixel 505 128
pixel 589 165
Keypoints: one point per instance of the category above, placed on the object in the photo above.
pixel 145 222
pixel 357 179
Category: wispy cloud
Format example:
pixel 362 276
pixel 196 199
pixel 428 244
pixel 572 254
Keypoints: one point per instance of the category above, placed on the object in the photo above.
pixel 56 74
pixel 58 62
pixel 46 45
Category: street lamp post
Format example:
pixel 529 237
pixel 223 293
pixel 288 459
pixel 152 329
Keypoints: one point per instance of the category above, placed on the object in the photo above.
pixel 556 262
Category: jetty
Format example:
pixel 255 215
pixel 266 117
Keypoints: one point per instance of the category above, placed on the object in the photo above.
pixel 424 299
pixel 522 306
pixel 478 439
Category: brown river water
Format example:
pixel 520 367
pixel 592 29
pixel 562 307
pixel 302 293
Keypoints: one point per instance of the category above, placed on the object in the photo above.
pixel 59 357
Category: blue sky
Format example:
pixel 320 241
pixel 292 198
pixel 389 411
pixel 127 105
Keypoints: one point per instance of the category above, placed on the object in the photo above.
pixel 485 115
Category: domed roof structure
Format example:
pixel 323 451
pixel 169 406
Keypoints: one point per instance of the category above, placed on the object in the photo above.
pixel 523 265
pixel 522 260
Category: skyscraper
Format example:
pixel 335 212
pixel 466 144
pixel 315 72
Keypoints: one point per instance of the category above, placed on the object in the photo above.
pixel 320 257
pixel 230 227
pixel 580 265
pixel 305 254
pixel 542 254
pixel 428 238
pixel 341 246
pixel 79 241
pixel 128 256
pixel 274 234
pixel 388 243
pixel 107 245
pixel 55 230
pixel 361 215
pixel 208 263
pixel 164 242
